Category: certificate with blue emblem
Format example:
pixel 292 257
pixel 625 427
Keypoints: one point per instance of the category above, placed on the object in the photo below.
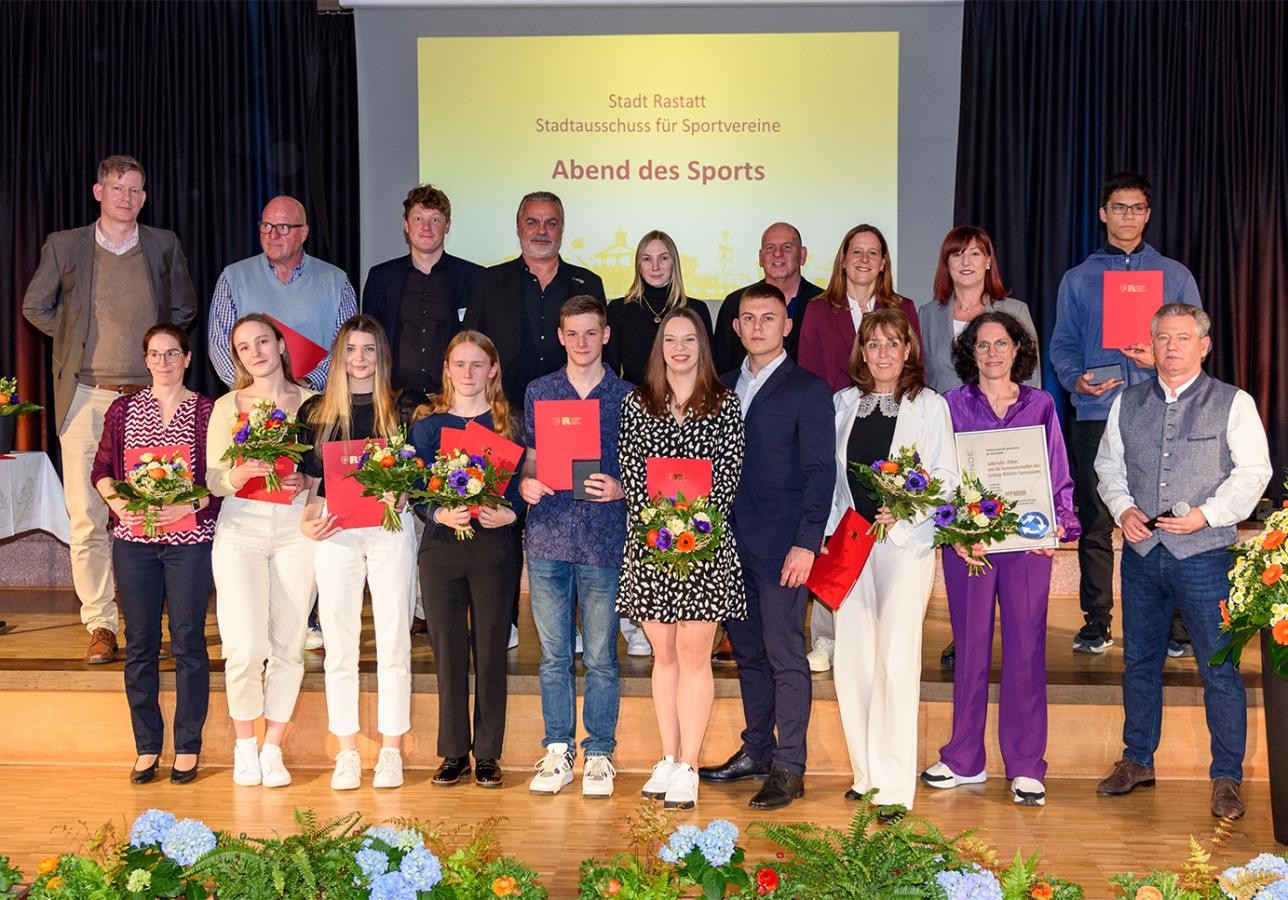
pixel 1013 462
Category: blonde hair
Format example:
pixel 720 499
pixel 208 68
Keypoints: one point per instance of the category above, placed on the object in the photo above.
pixel 675 297
pixel 334 409
pixel 243 378
pixel 503 423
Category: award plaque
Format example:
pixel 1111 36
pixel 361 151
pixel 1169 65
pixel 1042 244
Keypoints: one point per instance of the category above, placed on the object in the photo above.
pixel 1013 462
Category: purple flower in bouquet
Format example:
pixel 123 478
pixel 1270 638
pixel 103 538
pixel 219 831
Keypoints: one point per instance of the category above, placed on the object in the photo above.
pixel 663 539
pixel 916 458
pixel 877 464
pixel 915 482
pixel 242 434
pixel 990 507
pixel 459 480
pixel 478 460
pixel 406 454
pixel 278 414
pixel 945 514
pixel 701 526
pixel 362 460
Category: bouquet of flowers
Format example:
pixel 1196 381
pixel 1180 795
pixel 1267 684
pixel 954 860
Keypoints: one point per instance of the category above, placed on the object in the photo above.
pixel 459 479
pixel 1258 594
pixel 157 480
pixel 678 533
pixel 974 515
pixel 267 434
pixel 901 484
pixel 9 402
pixel 389 472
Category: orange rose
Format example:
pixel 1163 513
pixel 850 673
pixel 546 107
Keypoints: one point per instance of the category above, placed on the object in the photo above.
pixel 1041 891
pixel 613 888
pixel 387 462
pixel 273 423
pixel 1280 633
pixel 682 506
pixel 5 397
pixel 473 472
pixel 47 865
pixel 503 886
pixel 1273 539
pixel 420 463
pixel 1149 892
pixel 685 543
pixel 1273 573
pixel 435 483
pixel 156 473
pixel 651 537
pixel 1225 614
pixel 890 467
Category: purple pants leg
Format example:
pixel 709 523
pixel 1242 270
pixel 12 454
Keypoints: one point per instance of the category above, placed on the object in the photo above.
pixel 1020 584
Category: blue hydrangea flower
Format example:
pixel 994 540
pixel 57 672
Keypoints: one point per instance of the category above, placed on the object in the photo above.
pixel 151 827
pixel 681 842
pixel 380 833
pixel 1268 862
pixel 372 862
pixel 970 885
pixel 1275 891
pixel 188 841
pixel 915 481
pixel 392 886
pixel 421 869
pixel 945 514
pixel 717 842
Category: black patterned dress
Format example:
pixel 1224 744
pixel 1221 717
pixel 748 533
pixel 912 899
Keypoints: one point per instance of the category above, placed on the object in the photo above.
pixel 714 590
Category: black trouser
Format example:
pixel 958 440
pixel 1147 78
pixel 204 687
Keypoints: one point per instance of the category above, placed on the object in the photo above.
pixel 179 577
pixel 467 588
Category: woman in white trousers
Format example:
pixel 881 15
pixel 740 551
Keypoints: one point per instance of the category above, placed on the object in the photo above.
pixel 263 565
pixel 877 667
pixel 357 403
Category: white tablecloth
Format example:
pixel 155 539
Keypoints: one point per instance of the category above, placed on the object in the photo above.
pixel 31 496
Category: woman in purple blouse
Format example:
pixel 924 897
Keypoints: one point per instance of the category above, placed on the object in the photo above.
pixel 992 356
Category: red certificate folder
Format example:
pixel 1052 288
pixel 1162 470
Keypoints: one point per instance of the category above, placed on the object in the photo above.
pixel 305 355
pixel 475 439
pixel 835 572
pixel 132 454
pixel 668 477
pixel 1130 301
pixel 344 498
pixel 565 430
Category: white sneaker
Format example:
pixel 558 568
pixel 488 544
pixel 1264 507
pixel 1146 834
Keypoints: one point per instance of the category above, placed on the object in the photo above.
pixel 683 790
pixel 348 771
pixel 940 776
pixel 246 762
pixel 1028 791
pixel 820 658
pixel 514 637
pixel 637 644
pixel 313 639
pixel 576 647
pixel 656 786
pixel 388 772
pixel 554 770
pixel 597 777
pixel 272 767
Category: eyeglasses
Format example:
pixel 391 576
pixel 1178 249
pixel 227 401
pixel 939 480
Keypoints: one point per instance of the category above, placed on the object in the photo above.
pixel 154 356
pixel 282 228
pixel 1001 346
pixel 1121 209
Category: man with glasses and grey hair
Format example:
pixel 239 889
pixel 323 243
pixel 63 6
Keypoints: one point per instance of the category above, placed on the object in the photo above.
pixel 307 296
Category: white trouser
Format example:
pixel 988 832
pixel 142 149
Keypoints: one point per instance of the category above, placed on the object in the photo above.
pixel 877 669
pixel 822 623
pixel 263 568
pixel 385 560
pixel 91 546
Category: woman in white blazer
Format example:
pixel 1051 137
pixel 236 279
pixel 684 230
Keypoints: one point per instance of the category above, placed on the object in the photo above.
pixel 877 667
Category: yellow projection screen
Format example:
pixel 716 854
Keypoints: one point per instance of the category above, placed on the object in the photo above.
pixel 709 137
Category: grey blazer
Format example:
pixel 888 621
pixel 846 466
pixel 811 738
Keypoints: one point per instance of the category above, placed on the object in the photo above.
pixel 937 340
pixel 60 296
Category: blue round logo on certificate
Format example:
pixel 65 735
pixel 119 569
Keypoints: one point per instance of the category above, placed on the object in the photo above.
pixel 1033 525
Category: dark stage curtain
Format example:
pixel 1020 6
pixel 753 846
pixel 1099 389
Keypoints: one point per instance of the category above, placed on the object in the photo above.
pixel 1056 95
pixel 225 103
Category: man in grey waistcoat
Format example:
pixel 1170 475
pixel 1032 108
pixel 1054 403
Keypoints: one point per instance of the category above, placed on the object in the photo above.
pixel 1183 460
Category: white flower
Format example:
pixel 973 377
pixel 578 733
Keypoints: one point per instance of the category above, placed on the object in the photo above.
pixel 701 517
pixel 1278 612
pixel 473 487
pixel 981 520
pixel 647 515
pixel 970 495
pixel 675 526
pixel 146 457
pixel 898 480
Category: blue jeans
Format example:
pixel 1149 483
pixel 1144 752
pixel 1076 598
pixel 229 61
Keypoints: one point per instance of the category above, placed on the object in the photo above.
pixel 558 591
pixel 1154 586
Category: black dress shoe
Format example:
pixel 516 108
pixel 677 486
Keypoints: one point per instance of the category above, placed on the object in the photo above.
pixel 487 773
pixel 948 659
pixel 143 776
pixel 780 789
pixel 183 776
pixel 854 795
pixel 453 769
pixel 738 767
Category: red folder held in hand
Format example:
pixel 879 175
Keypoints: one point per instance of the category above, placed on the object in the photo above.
pixel 1129 303
pixel 835 572
pixel 344 498
pixel 254 489
pixel 667 476
pixel 132 455
pixel 305 355
pixel 475 439
pixel 564 430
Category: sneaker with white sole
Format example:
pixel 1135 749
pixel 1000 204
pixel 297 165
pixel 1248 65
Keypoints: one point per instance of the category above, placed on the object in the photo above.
pixel 554 770
pixel 940 776
pixel 597 777
pixel 658 783
pixel 348 771
pixel 514 638
pixel 637 644
pixel 272 768
pixel 820 658
pixel 313 638
pixel 389 773
pixel 246 762
pixel 683 790
pixel 1028 791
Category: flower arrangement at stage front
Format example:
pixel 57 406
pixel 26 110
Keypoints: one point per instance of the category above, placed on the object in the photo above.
pixel 157 480
pixel 679 533
pixel 268 434
pixel 10 405
pixel 901 484
pixel 1258 594
pixel 390 473
pixel 459 479
pixel 974 515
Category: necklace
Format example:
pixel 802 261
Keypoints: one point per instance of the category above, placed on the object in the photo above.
pixel 657 313
pixel 1003 403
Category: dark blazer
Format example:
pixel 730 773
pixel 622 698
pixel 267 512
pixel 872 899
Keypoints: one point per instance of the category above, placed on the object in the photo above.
pixel 725 346
pixel 383 293
pixel 60 297
pixel 827 339
pixel 788 468
pixel 494 310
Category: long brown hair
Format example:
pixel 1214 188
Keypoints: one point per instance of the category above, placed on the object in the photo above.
pixel 243 377
pixel 835 293
pixel 675 296
pixel 956 241
pixel 503 423
pixel 894 324
pixel 708 391
pixel 334 409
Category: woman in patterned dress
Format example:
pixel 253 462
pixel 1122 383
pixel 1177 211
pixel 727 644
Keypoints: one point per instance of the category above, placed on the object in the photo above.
pixel 682 411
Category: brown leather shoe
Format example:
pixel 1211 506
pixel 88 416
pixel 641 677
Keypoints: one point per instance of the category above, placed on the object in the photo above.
pixel 1226 802
pixel 1125 778
pixel 102 647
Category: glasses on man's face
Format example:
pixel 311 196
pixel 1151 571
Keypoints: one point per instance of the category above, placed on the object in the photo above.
pixel 1136 209
pixel 282 228
pixel 170 356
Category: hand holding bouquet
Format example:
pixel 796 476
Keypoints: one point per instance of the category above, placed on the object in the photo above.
pixel 1258 594
pixel 266 435
pixel 678 533
pixel 457 479
pixel 157 480
pixel 974 515
pixel 9 403
pixel 389 473
pixel 901 484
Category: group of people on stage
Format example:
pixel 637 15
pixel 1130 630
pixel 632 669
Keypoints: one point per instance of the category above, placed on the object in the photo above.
pixel 790 389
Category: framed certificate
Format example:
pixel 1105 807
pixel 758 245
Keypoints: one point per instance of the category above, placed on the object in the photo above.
pixel 1013 462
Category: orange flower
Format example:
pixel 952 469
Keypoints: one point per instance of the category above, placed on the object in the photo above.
pixel 47 865
pixel 682 506
pixel 1273 573
pixel 4 397
pixel 420 463
pixel 474 473
pixel 1273 539
pixel 503 886
pixel 156 473
pixel 1225 614
pixel 613 888
pixel 651 538
pixel 387 462
pixel 685 543
pixel 54 884
pixel 273 423
pixel 1149 892
pixel 435 483
pixel 890 467
pixel 1280 633
pixel 1041 891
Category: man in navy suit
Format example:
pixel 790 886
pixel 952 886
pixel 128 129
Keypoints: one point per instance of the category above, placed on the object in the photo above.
pixel 778 519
